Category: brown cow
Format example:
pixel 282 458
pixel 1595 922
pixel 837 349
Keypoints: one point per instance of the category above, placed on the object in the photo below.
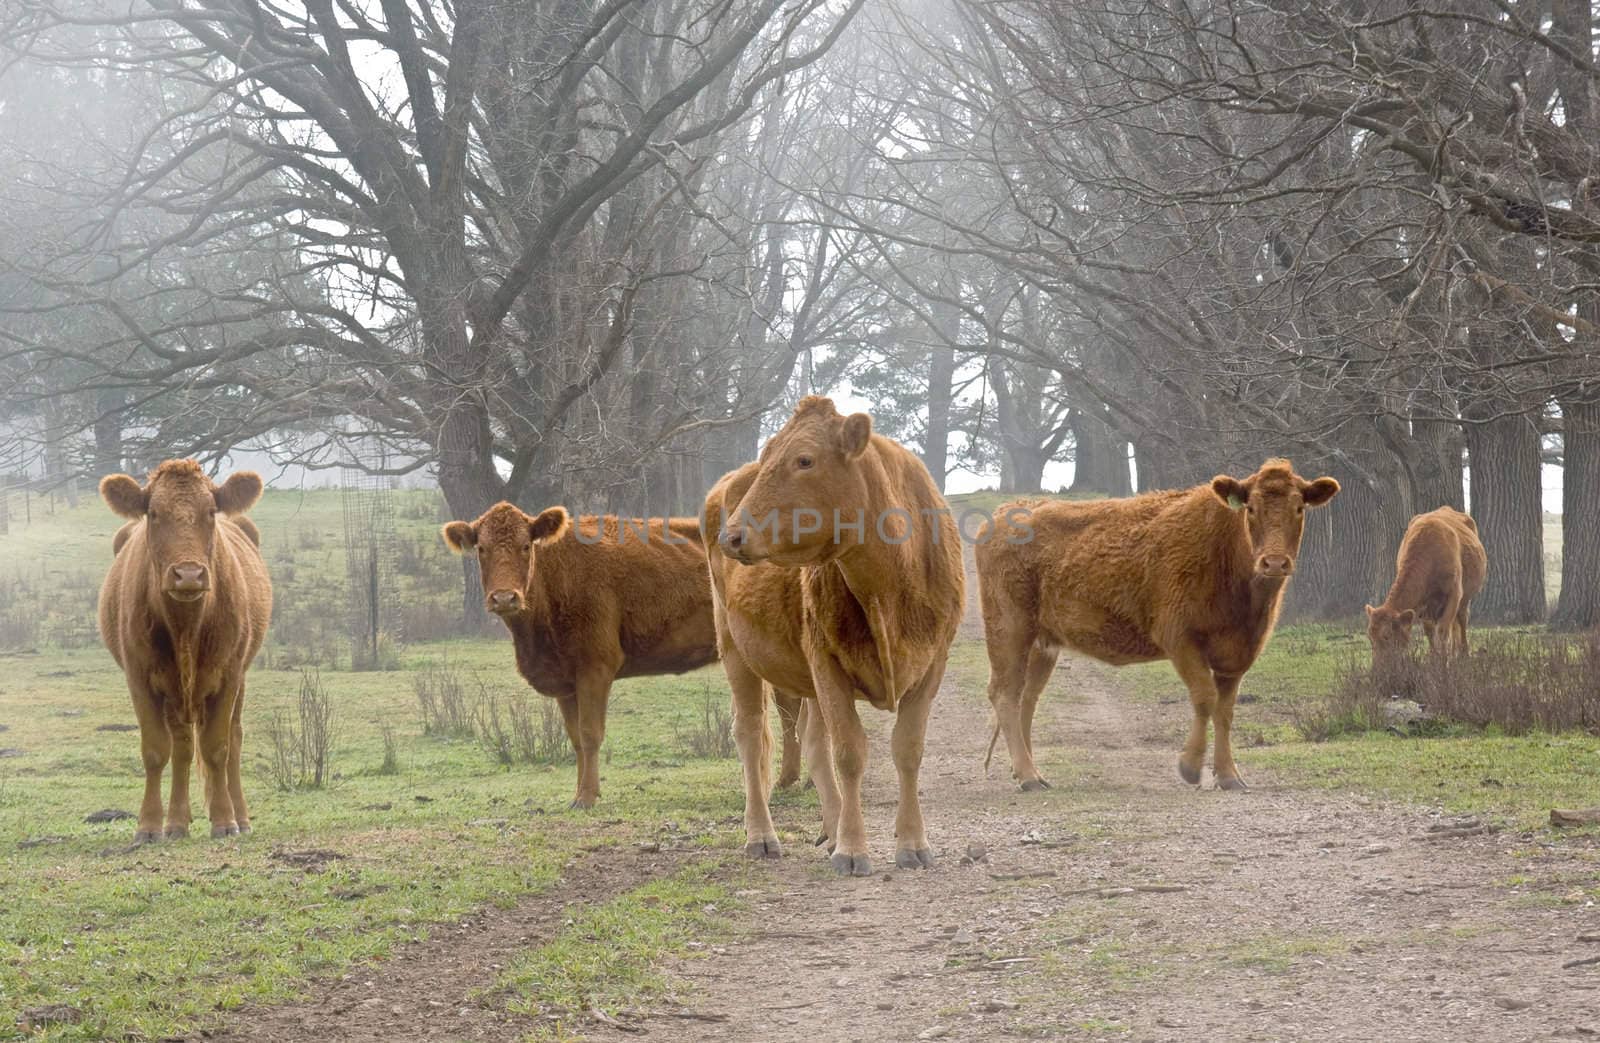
pixel 183 611
pixel 588 604
pixel 1439 570
pixel 838 576
pixel 1193 576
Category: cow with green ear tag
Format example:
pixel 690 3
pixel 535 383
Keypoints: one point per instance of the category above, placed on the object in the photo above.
pixel 184 610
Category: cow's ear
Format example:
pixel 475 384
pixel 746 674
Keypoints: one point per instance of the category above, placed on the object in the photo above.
pixel 551 524
pixel 459 537
pixel 1230 491
pixel 1408 617
pixel 124 495
pixel 855 434
pixel 1319 492
pixel 1370 610
pixel 239 493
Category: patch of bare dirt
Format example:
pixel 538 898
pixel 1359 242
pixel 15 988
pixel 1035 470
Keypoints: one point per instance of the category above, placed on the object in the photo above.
pixel 1122 904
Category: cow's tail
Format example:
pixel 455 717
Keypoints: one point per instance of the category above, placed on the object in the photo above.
pixel 994 737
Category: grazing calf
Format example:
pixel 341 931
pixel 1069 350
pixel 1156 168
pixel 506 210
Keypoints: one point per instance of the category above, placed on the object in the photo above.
pixel 1193 576
pixel 837 572
pixel 1439 570
pixel 591 602
pixel 183 611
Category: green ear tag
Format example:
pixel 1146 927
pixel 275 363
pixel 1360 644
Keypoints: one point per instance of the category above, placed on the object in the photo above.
pixel 1234 503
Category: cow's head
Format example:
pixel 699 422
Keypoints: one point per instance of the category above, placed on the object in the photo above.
pixel 806 472
pixel 1390 633
pixel 179 505
pixel 1273 502
pixel 504 539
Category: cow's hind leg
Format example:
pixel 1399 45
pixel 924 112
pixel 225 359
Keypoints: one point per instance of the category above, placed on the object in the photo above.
pixel 1191 666
pixel 754 740
pixel 1010 657
pixel 910 732
pixel 789 717
pixel 1226 770
pixel 818 753
pixel 1041 664
pixel 241 814
pixel 1462 613
pixel 836 700
pixel 155 749
pixel 568 705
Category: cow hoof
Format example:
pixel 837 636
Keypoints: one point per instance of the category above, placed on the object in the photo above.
pixel 230 830
pixel 146 836
pixel 914 858
pixel 785 781
pixel 244 829
pixel 1188 774
pixel 764 848
pixel 177 832
pixel 851 865
pixel 1232 782
pixel 581 804
pixel 1034 785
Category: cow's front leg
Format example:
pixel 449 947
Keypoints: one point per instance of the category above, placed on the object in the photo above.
pixel 836 700
pixel 750 734
pixel 1191 666
pixel 1226 770
pixel 594 693
pixel 910 731
pixel 179 812
pixel 215 738
pixel 155 749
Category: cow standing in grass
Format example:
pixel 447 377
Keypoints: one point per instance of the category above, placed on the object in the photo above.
pixel 1439 570
pixel 183 611
pixel 837 571
pixel 1193 576
pixel 590 601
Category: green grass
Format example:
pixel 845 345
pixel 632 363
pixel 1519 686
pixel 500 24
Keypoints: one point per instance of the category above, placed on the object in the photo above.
pixel 154 941
pixel 609 956
pixel 1519 778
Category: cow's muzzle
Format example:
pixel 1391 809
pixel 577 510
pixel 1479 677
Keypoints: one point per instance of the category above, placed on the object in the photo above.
pixel 188 581
pixel 505 602
pixel 1274 566
pixel 735 543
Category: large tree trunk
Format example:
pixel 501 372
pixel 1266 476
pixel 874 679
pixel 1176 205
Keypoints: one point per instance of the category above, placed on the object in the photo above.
pixel 1344 552
pixel 1100 465
pixel 1436 467
pixel 1579 605
pixel 108 433
pixel 1503 461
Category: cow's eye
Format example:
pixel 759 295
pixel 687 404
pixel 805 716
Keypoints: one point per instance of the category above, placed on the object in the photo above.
pixel 803 462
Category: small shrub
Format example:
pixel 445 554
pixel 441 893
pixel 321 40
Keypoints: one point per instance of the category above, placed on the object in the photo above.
pixel 712 734
pixel 391 750
pixel 442 699
pixel 302 756
pixel 520 735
